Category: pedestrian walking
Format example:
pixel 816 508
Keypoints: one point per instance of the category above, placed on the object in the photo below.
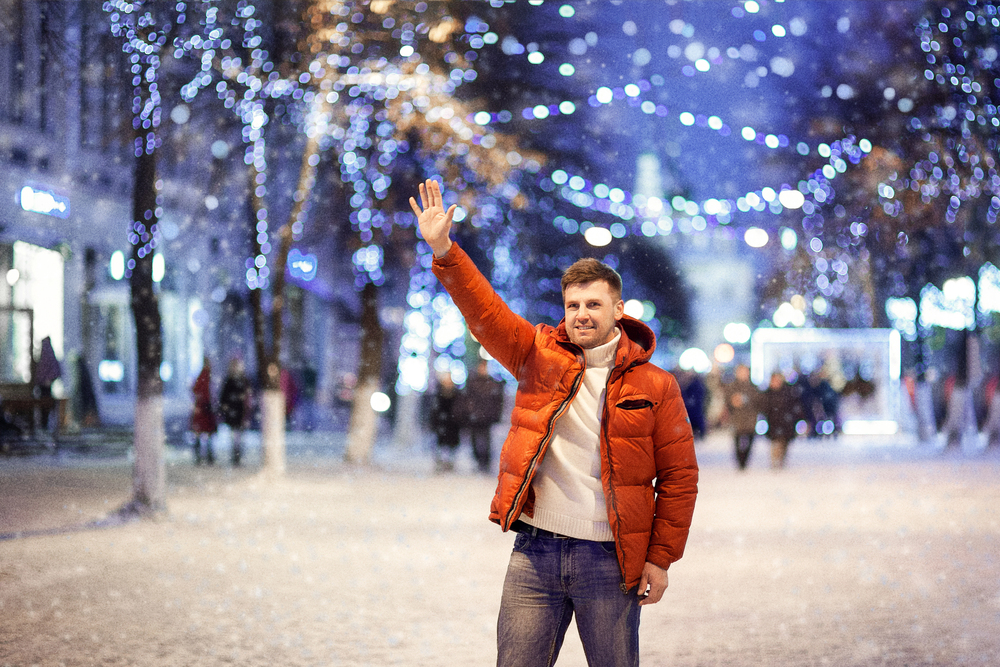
pixel 693 391
pixel 85 398
pixel 234 405
pixel 203 422
pixel 446 423
pixel 827 404
pixel 782 409
pixel 482 407
pixel 598 475
pixel 47 371
pixel 742 403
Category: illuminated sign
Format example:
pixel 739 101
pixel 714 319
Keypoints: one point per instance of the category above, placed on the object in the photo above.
pixel 302 266
pixel 111 370
pixel 46 203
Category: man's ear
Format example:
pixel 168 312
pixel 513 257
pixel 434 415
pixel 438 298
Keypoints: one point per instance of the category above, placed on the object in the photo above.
pixel 619 309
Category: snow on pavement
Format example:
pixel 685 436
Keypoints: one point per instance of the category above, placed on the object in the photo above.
pixel 853 555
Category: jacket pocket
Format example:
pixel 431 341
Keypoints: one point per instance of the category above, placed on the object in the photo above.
pixel 635 404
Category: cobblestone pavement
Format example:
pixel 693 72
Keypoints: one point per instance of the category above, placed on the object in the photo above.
pixel 855 554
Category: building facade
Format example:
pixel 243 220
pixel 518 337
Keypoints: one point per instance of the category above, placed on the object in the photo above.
pixel 65 208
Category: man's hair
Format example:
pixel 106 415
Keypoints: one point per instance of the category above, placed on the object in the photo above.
pixel 588 270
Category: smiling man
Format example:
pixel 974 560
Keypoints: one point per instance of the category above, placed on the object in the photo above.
pixel 598 475
pixel 592 308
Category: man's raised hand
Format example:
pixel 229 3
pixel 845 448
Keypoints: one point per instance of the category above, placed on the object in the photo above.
pixel 434 222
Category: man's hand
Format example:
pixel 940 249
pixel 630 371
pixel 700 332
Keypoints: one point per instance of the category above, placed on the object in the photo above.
pixel 655 580
pixel 434 222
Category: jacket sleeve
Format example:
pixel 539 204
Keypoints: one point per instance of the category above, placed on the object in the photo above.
pixel 676 479
pixel 506 336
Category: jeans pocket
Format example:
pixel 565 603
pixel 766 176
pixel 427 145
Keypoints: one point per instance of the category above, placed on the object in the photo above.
pixel 521 542
pixel 608 547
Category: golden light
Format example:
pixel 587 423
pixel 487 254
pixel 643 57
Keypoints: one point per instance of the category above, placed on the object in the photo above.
pixel 724 353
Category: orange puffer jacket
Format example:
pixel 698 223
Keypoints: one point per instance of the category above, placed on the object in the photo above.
pixel 648 466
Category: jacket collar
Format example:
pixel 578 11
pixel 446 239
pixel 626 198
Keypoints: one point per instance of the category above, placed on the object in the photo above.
pixel 636 345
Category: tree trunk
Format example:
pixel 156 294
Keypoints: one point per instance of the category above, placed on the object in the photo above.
pixel 924 411
pixel 148 472
pixel 271 400
pixel 407 431
pixel 960 426
pixel 363 426
pixel 269 357
pixel 272 431
pixel 923 392
pixel 364 420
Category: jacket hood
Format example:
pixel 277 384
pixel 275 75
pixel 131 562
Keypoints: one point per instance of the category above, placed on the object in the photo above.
pixel 636 345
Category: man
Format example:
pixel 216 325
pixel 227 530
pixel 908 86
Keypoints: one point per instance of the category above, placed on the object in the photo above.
pixel 598 473
pixel 781 405
pixel 482 408
pixel 742 400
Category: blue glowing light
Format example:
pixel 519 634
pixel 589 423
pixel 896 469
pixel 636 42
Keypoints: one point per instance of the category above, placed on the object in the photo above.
pixel 302 266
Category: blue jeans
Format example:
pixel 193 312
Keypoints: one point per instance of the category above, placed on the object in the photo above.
pixel 548 579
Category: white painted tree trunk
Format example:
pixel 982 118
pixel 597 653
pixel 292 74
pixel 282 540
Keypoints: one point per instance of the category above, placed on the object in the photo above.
pixel 407 430
pixel 149 474
pixel 272 431
pixel 364 423
pixel 926 423
pixel 960 426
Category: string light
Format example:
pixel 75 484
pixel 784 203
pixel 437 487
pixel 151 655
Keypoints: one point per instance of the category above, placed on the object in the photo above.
pixel 374 101
pixel 632 94
pixel 144 41
pixel 245 86
pixel 652 217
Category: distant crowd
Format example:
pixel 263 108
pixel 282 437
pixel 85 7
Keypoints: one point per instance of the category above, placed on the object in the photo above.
pixel 802 405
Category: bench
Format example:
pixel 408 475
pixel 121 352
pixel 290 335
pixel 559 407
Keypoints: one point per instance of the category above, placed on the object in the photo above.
pixel 21 408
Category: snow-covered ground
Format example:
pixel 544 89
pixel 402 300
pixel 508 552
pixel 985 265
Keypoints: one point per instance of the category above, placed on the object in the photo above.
pixel 858 553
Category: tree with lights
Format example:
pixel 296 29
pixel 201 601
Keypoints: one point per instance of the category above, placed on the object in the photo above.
pixel 149 32
pixel 922 208
pixel 369 83
pixel 383 76
pixel 252 74
pixel 954 160
pixel 525 90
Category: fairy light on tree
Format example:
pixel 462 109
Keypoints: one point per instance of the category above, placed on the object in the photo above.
pixel 150 32
pixel 247 81
pixel 368 82
pixel 926 199
pixel 381 79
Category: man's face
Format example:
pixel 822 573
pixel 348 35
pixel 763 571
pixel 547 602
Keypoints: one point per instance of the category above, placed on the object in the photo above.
pixel 591 313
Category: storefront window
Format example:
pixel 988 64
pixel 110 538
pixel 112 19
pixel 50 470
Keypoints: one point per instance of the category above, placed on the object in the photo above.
pixel 111 367
pixel 31 307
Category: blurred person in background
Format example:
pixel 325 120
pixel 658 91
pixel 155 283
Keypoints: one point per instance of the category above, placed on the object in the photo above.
pixel 482 407
pixel 782 408
pixel 203 422
pixel 742 404
pixel 234 405
pixel 47 371
pixel 446 423
pixel 694 392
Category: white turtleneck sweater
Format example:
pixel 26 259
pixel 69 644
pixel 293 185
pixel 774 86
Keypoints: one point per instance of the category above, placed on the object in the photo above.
pixel 569 499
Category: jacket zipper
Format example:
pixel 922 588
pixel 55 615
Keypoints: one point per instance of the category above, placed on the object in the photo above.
pixel 607 452
pixel 542 446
